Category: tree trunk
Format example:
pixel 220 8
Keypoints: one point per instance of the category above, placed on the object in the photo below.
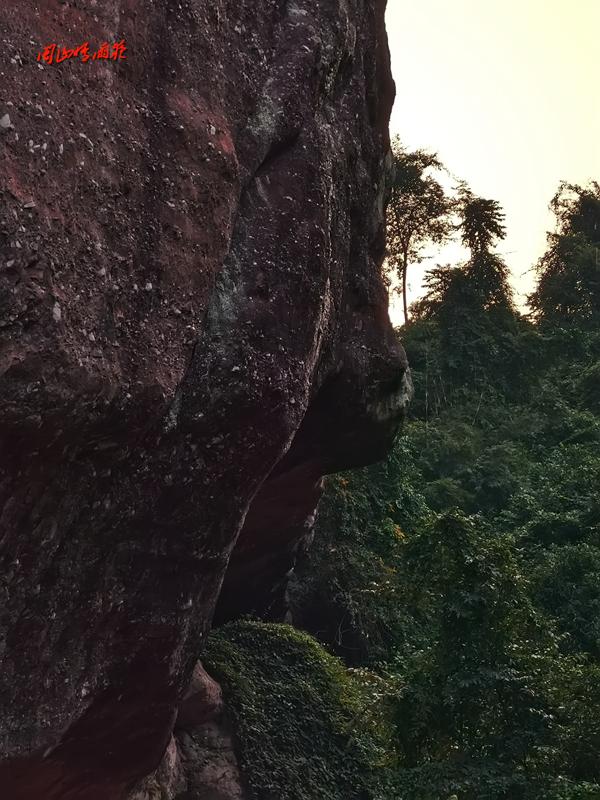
pixel 404 273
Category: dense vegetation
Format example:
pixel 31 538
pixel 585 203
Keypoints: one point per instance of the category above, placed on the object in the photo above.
pixel 460 581
pixel 299 715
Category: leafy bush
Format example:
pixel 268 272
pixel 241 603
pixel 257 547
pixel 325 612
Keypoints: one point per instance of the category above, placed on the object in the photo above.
pixel 307 727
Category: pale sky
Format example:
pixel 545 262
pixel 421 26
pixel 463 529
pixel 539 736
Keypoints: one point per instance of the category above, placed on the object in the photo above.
pixel 507 92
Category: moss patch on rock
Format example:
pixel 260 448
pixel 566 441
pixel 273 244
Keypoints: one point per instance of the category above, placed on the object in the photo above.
pixel 302 719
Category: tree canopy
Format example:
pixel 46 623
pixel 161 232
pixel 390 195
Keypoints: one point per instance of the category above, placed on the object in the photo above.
pixel 419 210
pixel 568 289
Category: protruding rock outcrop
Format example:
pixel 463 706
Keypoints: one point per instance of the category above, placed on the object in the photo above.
pixel 193 330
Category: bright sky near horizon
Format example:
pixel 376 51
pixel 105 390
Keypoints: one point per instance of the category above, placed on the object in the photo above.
pixel 506 92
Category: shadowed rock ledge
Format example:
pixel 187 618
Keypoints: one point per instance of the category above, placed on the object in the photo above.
pixel 193 331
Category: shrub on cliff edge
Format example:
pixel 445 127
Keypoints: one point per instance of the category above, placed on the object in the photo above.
pixel 304 723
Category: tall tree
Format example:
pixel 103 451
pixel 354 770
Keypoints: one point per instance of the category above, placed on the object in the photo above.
pixel 419 210
pixel 482 222
pixel 471 306
pixel 481 227
pixel 569 271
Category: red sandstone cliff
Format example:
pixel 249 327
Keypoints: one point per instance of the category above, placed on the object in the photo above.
pixel 193 331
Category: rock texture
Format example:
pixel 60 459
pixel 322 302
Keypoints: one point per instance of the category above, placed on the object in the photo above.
pixel 201 761
pixel 193 330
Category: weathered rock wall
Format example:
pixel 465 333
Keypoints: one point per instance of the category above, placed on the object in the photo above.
pixel 193 330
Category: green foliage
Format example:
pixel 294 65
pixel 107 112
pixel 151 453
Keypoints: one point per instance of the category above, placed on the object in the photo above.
pixel 576 791
pixel 419 210
pixel 418 207
pixel 567 585
pixel 307 727
pixel 351 593
pixel 482 222
pixel 569 272
pixel 475 338
pixel 475 712
pixel 588 388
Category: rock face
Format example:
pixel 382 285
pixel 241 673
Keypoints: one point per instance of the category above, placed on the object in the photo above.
pixel 193 331
pixel 200 762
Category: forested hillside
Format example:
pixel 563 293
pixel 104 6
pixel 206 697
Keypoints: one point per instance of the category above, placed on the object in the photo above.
pixel 460 580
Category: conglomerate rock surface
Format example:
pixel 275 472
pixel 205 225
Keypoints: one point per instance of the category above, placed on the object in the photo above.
pixel 193 331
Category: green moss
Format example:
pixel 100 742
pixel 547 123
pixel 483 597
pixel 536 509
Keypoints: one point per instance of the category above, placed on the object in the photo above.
pixel 302 719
